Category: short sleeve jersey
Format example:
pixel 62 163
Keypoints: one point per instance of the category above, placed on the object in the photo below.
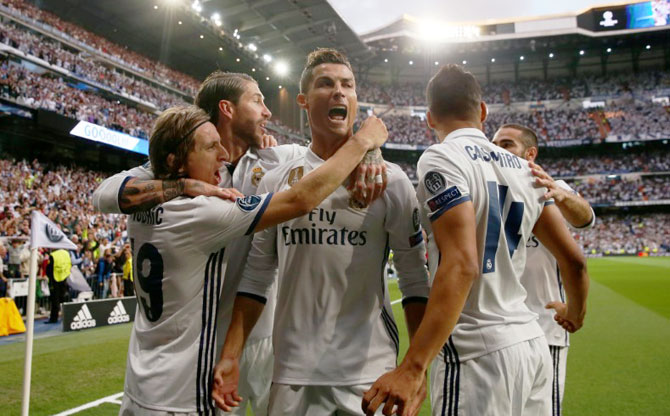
pixel 467 167
pixel 333 320
pixel 542 280
pixel 179 254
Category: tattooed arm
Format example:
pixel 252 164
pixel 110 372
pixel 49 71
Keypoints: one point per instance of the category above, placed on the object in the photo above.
pixel 137 190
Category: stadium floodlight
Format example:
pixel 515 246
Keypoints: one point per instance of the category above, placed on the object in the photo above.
pixel 252 47
pixel 267 78
pixel 581 53
pixel 387 59
pixel 179 22
pixel 196 6
pixel 280 87
pixel 647 47
pixel 493 60
pixel 551 55
pixel 253 69
pixel 202 36
pixel 281 68
pixel 609 50
pixel 238 59
pixel 521 58
pixel 436 31
pixel 220 48
pixel 465 62
pixel 267 58
pixel 155 7
pixel 411 62
pixel 436 63
pixel 216 18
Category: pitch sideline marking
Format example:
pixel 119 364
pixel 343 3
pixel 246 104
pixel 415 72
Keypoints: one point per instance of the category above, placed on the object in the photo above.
pixel 109 399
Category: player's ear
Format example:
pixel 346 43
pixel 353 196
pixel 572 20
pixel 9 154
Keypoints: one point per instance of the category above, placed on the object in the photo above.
pixel 531 154
pixel 485 111
pixel 301 99
pixel 226 109
pixel 429 120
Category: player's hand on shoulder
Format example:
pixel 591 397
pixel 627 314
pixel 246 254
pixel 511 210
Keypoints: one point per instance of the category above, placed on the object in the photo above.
pixel 268 141
pixel 569 321
pixel 194 187
pixel 368 182
pixel 372 132
pixel 543 179
pixel 224 389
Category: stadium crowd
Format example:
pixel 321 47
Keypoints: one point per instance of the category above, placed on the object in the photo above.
pixel 627 234
pixel 74 61
pixel 653 161
pixel 63 194
pixel 611 190
pixel 68 31
pixel 641 85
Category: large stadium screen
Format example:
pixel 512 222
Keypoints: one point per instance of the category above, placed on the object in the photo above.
pixel 632 16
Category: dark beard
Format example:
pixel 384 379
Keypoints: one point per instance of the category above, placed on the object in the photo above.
pixel 246 131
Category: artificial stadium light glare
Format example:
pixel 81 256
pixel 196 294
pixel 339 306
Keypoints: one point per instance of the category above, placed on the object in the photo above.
pixel 521 58
pixel 179 22
pixel 493 59
pixel 220 48
pixel 436 31
pixel 267 78
pixel 581 52
pixel 280 87
pixel 551 55
pixel 281 68
pixel 387 59
pixel 238 59
pixel 253 69
pixel 252 47
pixel 155 7
pixel 196 6
pixel 609 50
pixel 465 62
pixel 267 58
pixel 411 62
pixel 647 47
pixel 436 63
pixel 202 36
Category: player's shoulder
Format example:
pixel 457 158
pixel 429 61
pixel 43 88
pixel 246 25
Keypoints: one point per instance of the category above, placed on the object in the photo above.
pixel 281 154
pixel 288 172
pixel 396 177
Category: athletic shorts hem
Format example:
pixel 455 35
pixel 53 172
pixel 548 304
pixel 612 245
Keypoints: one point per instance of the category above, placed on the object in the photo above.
pixel 160 408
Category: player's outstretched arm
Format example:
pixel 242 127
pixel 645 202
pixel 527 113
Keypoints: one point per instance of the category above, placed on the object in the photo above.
pixel 575 209
pixel 312 189
pixel 136 190
pixel 246 312
pixel 552 232
pixel 455 236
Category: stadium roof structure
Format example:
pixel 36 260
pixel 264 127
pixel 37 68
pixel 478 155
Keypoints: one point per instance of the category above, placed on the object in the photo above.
pixel 196 37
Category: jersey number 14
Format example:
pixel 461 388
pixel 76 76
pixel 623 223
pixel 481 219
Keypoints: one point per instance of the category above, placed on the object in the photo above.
pixel 497 195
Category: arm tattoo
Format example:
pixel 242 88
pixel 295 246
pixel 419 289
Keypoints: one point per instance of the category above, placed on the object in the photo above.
pixel 373 157
pixel 172 189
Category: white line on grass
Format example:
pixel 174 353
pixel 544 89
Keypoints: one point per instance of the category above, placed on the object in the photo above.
pixel 109 399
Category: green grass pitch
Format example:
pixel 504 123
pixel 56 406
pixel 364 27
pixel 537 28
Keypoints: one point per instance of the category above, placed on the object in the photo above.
pixel 619 363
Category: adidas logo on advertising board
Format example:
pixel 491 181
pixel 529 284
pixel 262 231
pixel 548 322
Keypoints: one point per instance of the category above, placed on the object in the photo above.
pixel 83 319
pixel 118 315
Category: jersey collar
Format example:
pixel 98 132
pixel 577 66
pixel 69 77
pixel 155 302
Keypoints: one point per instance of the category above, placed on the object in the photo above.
pixel 469 132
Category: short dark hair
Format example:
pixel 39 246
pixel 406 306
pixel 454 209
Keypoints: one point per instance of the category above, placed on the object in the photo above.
pixel 453 93
pixel 528 135
pixel 173 133
pixel 318 57
pixel 220 85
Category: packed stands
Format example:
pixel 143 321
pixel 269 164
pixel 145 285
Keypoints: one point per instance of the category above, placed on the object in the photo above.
pixel 627 234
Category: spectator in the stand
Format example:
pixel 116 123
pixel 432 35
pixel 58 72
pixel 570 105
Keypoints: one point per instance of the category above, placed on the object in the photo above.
pixel 103 274
pixel 3 278
pixel 14 264
pixel 128 289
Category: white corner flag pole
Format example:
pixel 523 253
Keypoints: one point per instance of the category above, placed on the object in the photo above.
pixel 30 323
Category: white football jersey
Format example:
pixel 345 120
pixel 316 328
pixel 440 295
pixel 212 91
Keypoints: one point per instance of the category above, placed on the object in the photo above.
pixel 467 167
pixel 542 281
pixel 333 320
pixel 179 258
pixel 245 178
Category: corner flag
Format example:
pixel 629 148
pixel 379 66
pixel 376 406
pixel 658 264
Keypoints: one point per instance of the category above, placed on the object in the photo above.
pixel 44 233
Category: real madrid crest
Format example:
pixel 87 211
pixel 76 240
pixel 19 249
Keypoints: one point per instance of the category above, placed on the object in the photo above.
pixel 257 175
pixel 295 175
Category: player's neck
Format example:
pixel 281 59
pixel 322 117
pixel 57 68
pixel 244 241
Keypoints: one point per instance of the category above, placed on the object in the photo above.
pixel 235 146
pixel 447 127
pixel 325 147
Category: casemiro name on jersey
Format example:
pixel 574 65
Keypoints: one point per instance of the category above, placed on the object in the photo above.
pixel 323 234
pixel 504 159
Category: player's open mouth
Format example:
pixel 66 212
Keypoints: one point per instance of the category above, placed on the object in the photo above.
pixel 263 128
pixel 337 113
pixel 217 175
